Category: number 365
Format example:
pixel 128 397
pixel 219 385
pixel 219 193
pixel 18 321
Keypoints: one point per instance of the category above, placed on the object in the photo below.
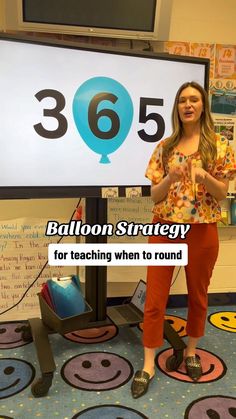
pixel 94 115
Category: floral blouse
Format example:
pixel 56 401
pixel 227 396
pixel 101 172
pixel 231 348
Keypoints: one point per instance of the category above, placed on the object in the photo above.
pixel 187 202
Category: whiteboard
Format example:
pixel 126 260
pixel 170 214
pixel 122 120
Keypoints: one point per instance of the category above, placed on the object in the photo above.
pixel 80 118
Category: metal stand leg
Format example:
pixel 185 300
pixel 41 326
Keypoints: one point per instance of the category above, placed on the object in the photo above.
pixel 96 276
pixel 47 365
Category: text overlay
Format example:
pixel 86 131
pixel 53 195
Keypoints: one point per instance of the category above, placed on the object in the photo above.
pixel 117 254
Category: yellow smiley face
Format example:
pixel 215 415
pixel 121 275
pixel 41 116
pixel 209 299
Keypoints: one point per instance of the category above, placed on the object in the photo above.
pixel 225 320
pixel 178 324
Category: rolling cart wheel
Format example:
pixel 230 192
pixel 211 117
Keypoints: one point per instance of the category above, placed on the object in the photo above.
pixel 40 387
pixel 172 363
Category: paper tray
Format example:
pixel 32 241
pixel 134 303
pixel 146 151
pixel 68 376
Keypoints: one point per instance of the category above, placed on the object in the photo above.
pixel 67 324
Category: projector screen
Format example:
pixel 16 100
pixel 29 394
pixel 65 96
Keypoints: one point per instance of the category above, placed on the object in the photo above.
pixel 74 120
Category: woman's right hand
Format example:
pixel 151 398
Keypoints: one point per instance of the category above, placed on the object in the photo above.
pixel 176 174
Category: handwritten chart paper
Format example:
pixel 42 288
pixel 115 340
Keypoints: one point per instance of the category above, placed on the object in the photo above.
pixel 23 252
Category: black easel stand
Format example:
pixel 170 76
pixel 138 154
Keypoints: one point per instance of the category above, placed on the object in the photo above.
pixel 95 296
pixel 96 276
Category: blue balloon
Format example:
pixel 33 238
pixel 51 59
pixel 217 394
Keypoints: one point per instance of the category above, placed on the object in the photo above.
pixel 103 114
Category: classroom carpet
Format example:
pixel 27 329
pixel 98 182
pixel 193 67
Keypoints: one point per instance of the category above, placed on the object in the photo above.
pixel 94 370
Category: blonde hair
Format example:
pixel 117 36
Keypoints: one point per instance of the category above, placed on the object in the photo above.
pixel 207 143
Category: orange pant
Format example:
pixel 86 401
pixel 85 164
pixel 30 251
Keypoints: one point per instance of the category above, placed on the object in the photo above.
pixel 203 246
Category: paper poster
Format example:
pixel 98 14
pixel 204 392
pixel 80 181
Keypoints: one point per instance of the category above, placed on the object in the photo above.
pixel 226 127
pixel 177 48
pixel 223 108
pixel 222 57
pixel 223 97
pixel 225 65
pixel 134 192
pixel 23 253
pixel 204 50
pixel 112 192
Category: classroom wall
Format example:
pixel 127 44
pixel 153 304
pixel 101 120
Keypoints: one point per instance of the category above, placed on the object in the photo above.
pixel 202 21
pixel 2 15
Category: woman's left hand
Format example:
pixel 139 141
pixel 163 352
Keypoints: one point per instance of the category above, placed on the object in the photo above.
pixel 197 174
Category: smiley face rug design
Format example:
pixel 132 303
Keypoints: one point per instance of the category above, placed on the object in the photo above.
pixel 15 376
pixel 95 335
pixel 97 371
pixel 212 407
pixel 213 367
pixel 11 335
pixel 178 324
pixel 224 320
pixel 108 411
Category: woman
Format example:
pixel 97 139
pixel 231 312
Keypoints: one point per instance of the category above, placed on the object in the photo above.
pixel 190 174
